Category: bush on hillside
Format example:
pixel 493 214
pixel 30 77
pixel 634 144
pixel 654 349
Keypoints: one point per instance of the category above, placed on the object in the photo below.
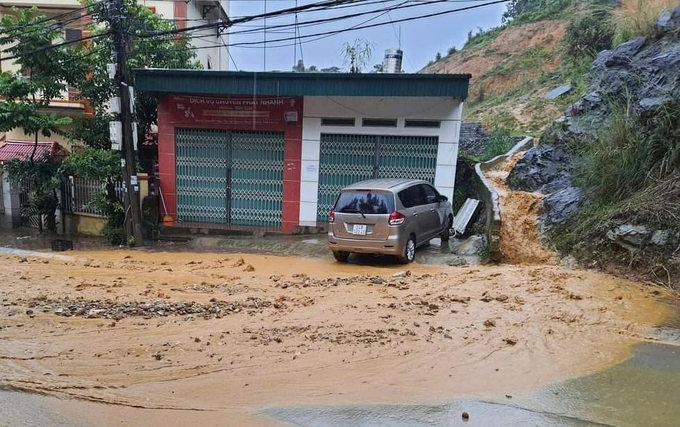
pixel 530 10
pixel 589 34
pixel 632 153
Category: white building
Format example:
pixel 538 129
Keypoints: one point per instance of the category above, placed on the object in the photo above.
pixel 210 44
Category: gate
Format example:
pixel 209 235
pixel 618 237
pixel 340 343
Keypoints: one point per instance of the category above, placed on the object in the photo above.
pixel 346 159
pixel 229 177
pixel 257 178
pixel 202 163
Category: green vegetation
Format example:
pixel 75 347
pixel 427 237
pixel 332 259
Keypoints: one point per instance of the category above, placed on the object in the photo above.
pixel 500 142
pixel 102 166
pixel 638 18
pixel 631 153
pixel 533 10
pixel 631 174
pixel 589 34
pixel 482 37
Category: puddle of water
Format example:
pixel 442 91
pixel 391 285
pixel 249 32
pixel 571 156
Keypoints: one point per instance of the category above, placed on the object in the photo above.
pixel 642 391
pixel 19 409
pixel 449 414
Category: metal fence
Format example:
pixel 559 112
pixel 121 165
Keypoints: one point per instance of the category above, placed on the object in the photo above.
pixel 79 194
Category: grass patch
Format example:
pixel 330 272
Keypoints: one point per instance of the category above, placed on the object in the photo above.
pixel 632 152
pixel 636 18
pixel 482 37
pixel 500 142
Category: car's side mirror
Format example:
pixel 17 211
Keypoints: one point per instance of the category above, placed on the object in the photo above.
pixel 442 198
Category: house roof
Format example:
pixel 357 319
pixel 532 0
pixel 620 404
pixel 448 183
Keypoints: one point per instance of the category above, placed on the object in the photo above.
pixel 301 84
pixel 22 150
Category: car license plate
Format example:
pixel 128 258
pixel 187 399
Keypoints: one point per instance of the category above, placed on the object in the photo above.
pixel 359 229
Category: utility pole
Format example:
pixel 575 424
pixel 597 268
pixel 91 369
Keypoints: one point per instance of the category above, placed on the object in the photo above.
pixel 119 21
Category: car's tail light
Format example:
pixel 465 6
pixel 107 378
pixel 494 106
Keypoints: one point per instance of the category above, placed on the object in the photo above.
pixel 397 218
pixel 331 217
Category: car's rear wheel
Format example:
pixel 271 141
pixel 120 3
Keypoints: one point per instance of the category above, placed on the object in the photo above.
pixel 409 251
pixel 446 234
pixel 341 256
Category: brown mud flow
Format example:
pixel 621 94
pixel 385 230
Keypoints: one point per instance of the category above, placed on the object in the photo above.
pixel 231 334
pixel 519 236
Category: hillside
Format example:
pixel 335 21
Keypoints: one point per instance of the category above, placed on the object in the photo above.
pixel 505 67
pixel 607 167
pixel 515 65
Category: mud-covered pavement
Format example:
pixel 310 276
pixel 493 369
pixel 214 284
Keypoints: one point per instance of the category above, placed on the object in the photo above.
pixel 231 334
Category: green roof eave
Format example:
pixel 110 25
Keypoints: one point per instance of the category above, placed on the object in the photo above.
pixel 300 84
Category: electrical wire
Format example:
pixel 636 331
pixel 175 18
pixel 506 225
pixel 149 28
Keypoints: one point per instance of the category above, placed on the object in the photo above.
pixel 361 27
pixel 231 22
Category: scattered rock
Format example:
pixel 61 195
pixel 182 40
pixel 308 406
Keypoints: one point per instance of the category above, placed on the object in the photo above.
pixel 457 262
pixel 669 20
pixel 490 323
pixel 465 416
pixel 249 268
pixel 635 235
pixel 401 274
pixel 239 262
pixel 510 341
pixel 502 298
pixel 29 312
pixel 558 92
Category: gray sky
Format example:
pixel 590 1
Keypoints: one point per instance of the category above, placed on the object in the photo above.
pixel 420 39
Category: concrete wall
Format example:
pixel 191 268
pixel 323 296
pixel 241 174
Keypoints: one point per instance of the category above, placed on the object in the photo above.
pixel 448 111
pixel 491 199
pixel 88 225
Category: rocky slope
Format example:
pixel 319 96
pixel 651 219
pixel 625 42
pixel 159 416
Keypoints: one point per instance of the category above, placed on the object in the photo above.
pixel 638 227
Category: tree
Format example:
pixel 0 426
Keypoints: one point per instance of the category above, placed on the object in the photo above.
pixel 44 75
pixel 378 68
pixel 357 55
pixel 166 51
pixel 438 57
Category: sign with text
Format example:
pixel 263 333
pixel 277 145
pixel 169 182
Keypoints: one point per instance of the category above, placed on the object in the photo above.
pixel 244 111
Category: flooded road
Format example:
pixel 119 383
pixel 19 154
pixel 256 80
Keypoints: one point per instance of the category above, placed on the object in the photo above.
pixel 273 332
pixel 181 336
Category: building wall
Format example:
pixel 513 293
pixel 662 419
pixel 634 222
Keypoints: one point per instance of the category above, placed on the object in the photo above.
pixel 62 106
pixel 446 110
pixel 167 124
pixel 188 14
pixel 302 144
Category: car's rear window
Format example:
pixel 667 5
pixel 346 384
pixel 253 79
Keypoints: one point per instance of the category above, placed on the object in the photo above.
pixel 366 202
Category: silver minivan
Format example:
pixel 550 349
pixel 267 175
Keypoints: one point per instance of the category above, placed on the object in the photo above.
pixel 389 217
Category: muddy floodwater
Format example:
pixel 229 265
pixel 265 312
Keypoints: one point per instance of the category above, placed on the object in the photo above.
pixel 182 337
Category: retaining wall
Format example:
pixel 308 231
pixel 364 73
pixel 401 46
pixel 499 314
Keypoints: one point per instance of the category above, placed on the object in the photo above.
pixel 491 200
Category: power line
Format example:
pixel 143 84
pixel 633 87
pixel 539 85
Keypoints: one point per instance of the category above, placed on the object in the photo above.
pixel 326 3
pixel 361 27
